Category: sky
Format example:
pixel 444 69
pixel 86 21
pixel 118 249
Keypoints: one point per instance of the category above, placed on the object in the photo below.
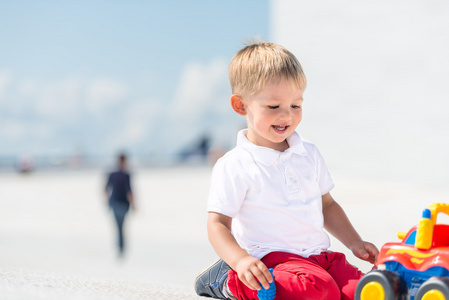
pixel 150 77
pixel 97 77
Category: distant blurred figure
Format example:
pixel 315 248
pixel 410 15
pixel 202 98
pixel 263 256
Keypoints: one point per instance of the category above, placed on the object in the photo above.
pixel 198 152
pixel 25 164
pixel 119 192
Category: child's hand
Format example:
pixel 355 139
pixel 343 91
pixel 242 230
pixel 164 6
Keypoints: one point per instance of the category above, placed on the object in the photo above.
pixel 365 251
pixel 251 271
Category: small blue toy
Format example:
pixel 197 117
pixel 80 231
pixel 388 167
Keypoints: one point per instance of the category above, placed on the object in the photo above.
pixel 269 294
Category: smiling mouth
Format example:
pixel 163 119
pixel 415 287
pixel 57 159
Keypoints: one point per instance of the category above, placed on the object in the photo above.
pixel 280 128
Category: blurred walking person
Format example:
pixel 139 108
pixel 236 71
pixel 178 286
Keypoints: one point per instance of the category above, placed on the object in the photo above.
pixel 119 192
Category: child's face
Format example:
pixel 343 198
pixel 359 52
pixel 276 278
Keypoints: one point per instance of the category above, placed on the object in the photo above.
pixel 273 114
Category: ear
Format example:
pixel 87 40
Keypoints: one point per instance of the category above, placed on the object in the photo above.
pixel 237 105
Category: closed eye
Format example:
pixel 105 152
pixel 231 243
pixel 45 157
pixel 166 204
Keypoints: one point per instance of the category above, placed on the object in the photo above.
pixel 273 106
pixel 296 106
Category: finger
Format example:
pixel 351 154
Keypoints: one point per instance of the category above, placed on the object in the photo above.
pixel 263 281
pixel 369 256
pixel 263 275
pixel 372 250
pixel 268 276
pixel 251 282
pixel 361 253
pixel 267 279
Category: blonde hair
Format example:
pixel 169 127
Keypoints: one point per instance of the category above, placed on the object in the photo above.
pixel 260 62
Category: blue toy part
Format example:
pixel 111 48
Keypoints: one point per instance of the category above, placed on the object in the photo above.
pixel 411 238
pixel 413 278
pixel 269 294
pixel 426 213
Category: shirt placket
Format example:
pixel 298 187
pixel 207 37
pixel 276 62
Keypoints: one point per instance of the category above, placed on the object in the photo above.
pixel 291 179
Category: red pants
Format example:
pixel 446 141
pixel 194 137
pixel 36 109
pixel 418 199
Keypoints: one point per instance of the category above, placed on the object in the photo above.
pixel 326 276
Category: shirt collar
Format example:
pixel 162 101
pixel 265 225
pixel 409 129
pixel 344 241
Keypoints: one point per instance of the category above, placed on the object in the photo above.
pixel 268 156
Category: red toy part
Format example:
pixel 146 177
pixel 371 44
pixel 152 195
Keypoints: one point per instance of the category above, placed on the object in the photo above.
pixel 417 268
pixel 415 259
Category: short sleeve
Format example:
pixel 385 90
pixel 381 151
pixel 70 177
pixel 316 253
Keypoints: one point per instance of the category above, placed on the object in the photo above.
pixel 324 178
pixel 228 187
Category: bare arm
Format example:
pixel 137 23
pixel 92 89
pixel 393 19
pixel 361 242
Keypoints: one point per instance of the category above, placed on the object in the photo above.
pixel 336 222
pixel 224 243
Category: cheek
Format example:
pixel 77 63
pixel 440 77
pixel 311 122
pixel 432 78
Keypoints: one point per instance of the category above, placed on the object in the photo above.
pixel 262 123
pixel 268 118
pixel 263 115
pixel 270 115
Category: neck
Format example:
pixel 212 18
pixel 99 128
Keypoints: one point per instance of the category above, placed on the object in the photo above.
pixel 283 146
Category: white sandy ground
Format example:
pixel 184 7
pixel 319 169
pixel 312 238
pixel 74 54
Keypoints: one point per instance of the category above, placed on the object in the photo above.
pixel 57 239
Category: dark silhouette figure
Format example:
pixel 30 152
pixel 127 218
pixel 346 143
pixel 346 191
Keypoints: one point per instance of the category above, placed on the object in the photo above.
pixel 118 189
pixel 199 150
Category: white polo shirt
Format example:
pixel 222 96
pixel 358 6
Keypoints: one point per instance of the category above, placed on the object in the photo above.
pixel 273 197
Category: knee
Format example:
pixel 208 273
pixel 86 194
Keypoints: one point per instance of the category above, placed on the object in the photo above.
pixel 325 288
pixel 309 288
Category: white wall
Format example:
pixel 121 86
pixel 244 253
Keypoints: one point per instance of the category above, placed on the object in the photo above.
pixel 377 102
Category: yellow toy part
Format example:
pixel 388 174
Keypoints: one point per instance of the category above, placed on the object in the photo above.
pixel 424 233
pixel 373 291
pixel 433 295
pixel 437 208
pixel 401 235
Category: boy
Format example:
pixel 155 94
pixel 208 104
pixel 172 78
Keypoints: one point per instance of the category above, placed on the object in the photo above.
pixel 269 201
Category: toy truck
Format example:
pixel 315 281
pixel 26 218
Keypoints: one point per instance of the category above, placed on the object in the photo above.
pixel 416 268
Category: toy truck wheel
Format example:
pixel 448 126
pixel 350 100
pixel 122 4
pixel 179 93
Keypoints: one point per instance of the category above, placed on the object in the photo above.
pixel 435 288
pixel 381 285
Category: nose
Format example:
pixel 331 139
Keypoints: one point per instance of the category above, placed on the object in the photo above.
pixel 285 115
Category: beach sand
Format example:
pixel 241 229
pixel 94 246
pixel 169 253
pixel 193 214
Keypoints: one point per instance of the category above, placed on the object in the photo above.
pixel 57 236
